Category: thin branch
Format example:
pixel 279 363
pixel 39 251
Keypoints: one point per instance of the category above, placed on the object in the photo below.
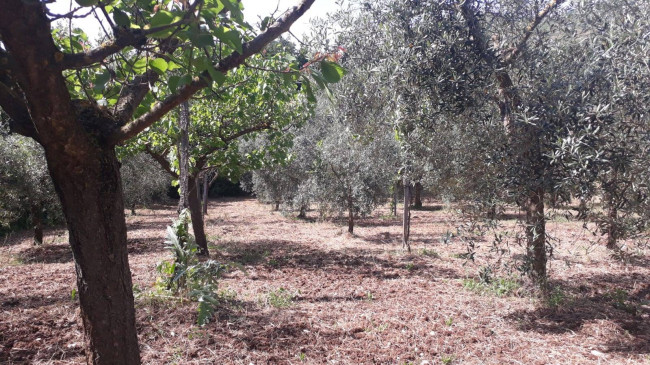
pixel 124 38
pixel 510 58
pixel 20 121
pixel 162 161
pixel 233 60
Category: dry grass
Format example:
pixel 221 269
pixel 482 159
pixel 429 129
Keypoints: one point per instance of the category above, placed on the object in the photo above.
pixel 350 299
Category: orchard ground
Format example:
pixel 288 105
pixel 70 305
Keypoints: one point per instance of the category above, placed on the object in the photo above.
pixel 305 291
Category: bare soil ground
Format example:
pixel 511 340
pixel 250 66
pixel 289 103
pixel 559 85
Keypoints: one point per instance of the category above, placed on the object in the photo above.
pixel 311 293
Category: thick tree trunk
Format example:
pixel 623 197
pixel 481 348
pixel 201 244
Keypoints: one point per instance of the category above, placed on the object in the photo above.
pixel 406 216
pixel 91 197
pixel 418 196
pixel 37 222
pixel 197 217
pixel 184 155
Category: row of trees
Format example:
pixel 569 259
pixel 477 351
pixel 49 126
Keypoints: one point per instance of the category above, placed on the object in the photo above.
pixel 488 104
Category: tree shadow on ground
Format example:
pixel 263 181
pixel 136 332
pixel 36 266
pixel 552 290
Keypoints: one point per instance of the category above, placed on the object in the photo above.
pixel 428 208
pixel 279 254
pixel 31 332
pixel 37 301
pixel 608 297
pixel 46 254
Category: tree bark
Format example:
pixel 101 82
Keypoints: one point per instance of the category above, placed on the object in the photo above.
pixel 536 236
pixel 611 219
pixel 406 216
pixel 418 196
pixel 350 216
pixel 523 138
pixel 91 197
pixel 582 208
pixel 303 212
pixel 206 186
pixel 612 226
pixel 393 203
pixel 184 155
pixel 37 222
pixel 198 227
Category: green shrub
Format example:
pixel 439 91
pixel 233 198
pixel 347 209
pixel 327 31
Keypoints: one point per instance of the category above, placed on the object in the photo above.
pixel 185 276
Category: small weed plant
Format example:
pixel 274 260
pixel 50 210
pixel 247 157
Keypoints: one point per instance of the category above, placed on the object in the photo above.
pixel 447 359
pixel 487 284
pixel 280 298
pixel 557 298
pixel 430 253
pixel 185 276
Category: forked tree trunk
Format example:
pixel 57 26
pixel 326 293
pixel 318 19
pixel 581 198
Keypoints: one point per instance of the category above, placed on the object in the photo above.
pixel 37 222
pixel 418 196
pixel 406 216
pixel 197 217
pixel 91 197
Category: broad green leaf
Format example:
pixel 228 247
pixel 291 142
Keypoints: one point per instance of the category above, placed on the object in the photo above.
pixel 203 40
pixel 212 10
pixel 173 83
pixel 159 65
pixel 121 18
pixel 162 17
pixel 87 2
pixel 310 93
pixel 140 65
pixel 332 72
pixel 217 76
pixel 201 63
pixel 230 37
pixel 101 79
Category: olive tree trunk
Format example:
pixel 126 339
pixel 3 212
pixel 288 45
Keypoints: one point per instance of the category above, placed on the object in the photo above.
pixel 418 196
pixel 37 222
pixel 536 236
pixel 393 203
pixel 350 216
pixel 406 216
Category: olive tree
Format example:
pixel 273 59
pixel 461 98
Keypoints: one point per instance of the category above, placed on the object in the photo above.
pixel 26 189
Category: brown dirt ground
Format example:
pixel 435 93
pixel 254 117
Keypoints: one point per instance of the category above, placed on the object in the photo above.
pixel 353 299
